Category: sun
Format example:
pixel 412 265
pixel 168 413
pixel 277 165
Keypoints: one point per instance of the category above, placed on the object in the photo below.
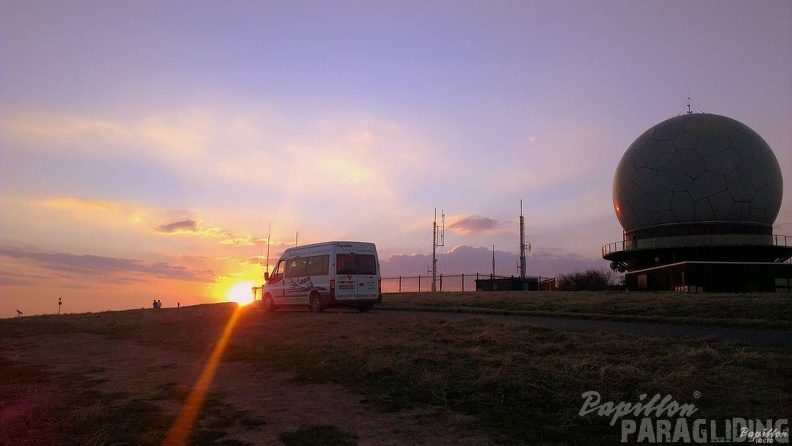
pixel 241 293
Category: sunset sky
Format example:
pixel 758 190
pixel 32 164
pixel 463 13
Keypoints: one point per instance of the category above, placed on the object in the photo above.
pixel 146 146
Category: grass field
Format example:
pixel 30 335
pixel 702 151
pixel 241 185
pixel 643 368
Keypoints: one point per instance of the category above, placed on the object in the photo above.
pixel 521 384
pixel 756 310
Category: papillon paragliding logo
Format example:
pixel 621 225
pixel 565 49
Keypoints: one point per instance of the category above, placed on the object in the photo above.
pixel 664 420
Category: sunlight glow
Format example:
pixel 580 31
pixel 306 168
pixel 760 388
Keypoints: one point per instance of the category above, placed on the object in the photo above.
pixel 241 293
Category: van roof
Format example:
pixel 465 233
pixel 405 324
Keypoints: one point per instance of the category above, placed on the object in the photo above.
pixel 331 242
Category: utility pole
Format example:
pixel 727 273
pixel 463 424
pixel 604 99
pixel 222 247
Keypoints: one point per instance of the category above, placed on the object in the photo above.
pixel 435 244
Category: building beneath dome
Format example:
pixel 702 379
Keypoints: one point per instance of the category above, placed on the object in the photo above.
pixel 697 196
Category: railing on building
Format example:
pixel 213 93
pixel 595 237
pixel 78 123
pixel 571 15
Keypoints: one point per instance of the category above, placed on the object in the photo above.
pixel 448 283
pixel 693 241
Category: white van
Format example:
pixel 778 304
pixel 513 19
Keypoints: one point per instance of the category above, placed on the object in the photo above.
pixel 325 275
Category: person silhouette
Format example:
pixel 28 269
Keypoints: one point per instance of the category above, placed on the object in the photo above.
pixel 154 304
pixel 159 304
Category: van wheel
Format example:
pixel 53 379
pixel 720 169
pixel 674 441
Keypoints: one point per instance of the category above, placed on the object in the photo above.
pixel 316 304
pixel 269 304
pixel 364 308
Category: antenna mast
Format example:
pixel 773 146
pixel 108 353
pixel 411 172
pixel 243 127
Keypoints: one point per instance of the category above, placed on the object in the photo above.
pixel 522 244
pixel 269 232
pixel 435 244
pixel 493 260
pixel 523 249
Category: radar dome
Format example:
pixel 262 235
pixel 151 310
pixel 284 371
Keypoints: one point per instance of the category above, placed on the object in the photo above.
pixel 697 168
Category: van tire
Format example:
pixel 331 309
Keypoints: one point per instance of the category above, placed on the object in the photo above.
pixel 269 304
pixel 315 303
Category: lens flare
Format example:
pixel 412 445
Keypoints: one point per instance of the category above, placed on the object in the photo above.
pixel 179 433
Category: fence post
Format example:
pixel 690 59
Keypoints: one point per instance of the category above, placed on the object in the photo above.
pixel 441 282
pixel 463 282
pixel 419 283
pixel 400 284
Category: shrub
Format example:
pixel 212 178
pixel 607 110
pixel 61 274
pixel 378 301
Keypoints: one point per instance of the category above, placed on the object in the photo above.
pixel 590 280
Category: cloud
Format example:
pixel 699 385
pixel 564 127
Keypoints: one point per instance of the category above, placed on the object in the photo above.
pixel 348 158
pixel 20 278
pixel 351 157
pixel 172 135
pixel 194 226
pixel 96 210
pixel 255 260
pixel 80 206
pixel 106 214
pixel 110 269
pixel 349 149
pixel 245 240
pixel 187 225
pixel 474 224
pixel 123 214
pixel 51 131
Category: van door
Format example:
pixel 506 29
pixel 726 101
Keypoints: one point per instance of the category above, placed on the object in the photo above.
pixel 297 284
pixel 356 275
pixel 275 284
pixel 367 282
pixel 346 277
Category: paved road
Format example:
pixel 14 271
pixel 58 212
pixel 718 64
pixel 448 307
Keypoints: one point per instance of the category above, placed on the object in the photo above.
pixel 650 329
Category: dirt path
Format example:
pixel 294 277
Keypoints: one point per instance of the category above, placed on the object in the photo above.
pixel 146 371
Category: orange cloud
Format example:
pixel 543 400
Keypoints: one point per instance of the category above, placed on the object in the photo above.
pixel 78 205
pixel 475 224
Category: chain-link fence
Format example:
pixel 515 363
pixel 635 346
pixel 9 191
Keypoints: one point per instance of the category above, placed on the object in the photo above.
pixel 452 283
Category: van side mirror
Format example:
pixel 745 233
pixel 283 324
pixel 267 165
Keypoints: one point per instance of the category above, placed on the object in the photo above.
pixel 266 276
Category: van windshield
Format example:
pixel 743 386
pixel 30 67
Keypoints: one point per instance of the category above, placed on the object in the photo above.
pixel 359 264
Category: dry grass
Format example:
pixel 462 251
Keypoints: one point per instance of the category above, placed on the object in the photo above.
pixel 521 383
pixel 318 436
pixel 28 401
pixel 757 310
pixel 38 408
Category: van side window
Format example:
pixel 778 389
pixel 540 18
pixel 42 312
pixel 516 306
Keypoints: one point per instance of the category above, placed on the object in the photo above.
pixel 295 267
pixel 317 265
pixel 308 266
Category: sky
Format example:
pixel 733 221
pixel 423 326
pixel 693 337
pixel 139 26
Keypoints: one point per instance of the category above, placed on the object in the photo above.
pixel 148 149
